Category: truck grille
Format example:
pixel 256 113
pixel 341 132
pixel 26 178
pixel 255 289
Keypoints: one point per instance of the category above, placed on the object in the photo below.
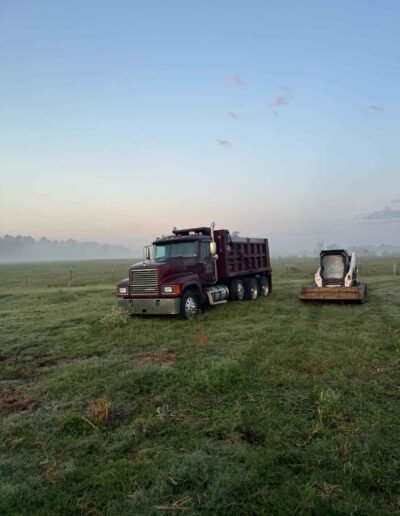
pixel 143 282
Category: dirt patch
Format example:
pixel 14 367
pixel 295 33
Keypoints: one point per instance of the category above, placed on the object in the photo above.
pixel 14 400
pixel 24 358
pixel 43 360
pixel 52 474
pixel 54 362
pixel 165 358
pixel 18 359
pixel 319 367
pixel 25 373
pixel 33 358
pixel 201 338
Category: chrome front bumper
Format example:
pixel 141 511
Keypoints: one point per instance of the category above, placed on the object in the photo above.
pixel 151 306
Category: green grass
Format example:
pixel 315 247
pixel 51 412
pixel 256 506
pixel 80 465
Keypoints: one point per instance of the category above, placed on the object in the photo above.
pixel 265 407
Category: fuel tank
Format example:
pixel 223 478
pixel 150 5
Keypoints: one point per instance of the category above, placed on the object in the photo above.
pixel 217 294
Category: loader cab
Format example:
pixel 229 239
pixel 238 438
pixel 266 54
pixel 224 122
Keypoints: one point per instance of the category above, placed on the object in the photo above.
pixel 334 267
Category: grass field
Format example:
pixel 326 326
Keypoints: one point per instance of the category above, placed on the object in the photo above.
pixel 265 407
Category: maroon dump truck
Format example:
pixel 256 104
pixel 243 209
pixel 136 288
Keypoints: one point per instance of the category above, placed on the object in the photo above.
pixel 195 267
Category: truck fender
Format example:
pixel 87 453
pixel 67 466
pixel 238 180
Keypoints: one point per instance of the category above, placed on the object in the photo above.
pixel 189 281
pixel 196 288
pixel 123 283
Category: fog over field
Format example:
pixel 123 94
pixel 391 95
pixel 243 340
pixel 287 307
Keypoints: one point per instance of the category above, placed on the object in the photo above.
pixel 27 249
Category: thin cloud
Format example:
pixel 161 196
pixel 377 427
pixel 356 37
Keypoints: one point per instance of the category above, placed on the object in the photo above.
pixel 282 99
pixel 396 201
pixel 224 143
pixel 387 214
pixel 279 101
pixel 373 109
pixel 284 89
pixel 232 114
pixel 235 80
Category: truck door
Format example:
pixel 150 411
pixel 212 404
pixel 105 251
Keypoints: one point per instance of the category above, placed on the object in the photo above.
pixel 207 265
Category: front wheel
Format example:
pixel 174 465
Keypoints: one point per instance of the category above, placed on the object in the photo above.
pixel 189 306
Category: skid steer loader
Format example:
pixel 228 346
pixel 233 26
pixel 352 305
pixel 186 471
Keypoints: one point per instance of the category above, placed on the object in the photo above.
pixel 336 279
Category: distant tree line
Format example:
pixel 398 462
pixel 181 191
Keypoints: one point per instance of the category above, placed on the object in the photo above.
pixel 26 248
pixel 361 250
pixel 376 250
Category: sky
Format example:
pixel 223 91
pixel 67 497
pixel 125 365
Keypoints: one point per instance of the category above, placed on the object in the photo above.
pixel 122 119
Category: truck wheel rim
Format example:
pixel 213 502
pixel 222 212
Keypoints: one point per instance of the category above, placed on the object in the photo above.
pixel 190 308
pixel 240 291
pixel 254 292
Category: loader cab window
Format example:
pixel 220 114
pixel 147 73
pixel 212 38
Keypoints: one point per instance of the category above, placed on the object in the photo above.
pixel 333 267
pixel 204 250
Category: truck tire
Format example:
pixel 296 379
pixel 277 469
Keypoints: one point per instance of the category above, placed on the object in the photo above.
pixel 251 289
pixel 264 288
pixel 189 306
pixel 237 290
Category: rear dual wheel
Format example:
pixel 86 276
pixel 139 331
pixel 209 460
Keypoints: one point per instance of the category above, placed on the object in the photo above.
pixel 250 289
pixel 264 286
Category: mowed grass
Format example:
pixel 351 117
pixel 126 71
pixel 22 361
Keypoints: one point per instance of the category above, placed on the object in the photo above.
pixel 265 407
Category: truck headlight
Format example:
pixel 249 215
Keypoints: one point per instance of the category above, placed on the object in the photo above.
pixel 171 289
pixel 122 291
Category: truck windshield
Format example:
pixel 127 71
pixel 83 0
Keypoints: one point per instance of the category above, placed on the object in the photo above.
pixel 175 250
pixel 333 266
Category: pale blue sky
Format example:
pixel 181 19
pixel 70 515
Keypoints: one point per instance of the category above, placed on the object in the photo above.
pixel 122 119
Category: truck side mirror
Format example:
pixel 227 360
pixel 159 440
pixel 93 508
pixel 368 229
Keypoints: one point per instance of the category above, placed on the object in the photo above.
pixel 147 253
pixel 213 248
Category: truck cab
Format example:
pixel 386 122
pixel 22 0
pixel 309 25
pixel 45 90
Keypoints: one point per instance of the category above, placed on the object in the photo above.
pixel 182 262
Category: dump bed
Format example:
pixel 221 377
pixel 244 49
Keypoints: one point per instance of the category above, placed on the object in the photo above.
pixel 239 256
